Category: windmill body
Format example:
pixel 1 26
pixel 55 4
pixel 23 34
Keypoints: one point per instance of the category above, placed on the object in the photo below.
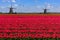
pixel 45 10
pixel 11 10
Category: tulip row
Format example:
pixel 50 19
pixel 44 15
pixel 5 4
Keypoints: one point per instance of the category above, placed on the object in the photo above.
pixel 30 26
pixel 29 38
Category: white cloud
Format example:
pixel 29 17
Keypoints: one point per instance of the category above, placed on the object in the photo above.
pixel 13 0
pixel 5 0
pixel 8 0
pixel 15 5
pixel 49 6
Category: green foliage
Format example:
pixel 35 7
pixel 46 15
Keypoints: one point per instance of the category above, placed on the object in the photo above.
pixel 29 38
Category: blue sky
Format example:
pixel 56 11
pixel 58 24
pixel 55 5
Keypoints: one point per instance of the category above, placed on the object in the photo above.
pixel 30 5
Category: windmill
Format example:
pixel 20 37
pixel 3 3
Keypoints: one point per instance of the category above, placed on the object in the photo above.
pixel 0 10
pixel 11 5
pixel 47 7
pixel 45 10
pixel 11 8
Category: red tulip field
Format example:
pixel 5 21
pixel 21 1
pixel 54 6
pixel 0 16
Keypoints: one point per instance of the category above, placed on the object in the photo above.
pixel 29 26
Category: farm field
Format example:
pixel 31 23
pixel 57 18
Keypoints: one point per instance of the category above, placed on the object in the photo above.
pixel 30 26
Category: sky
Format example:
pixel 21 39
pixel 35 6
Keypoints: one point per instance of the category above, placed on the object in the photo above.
pixel 30 5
